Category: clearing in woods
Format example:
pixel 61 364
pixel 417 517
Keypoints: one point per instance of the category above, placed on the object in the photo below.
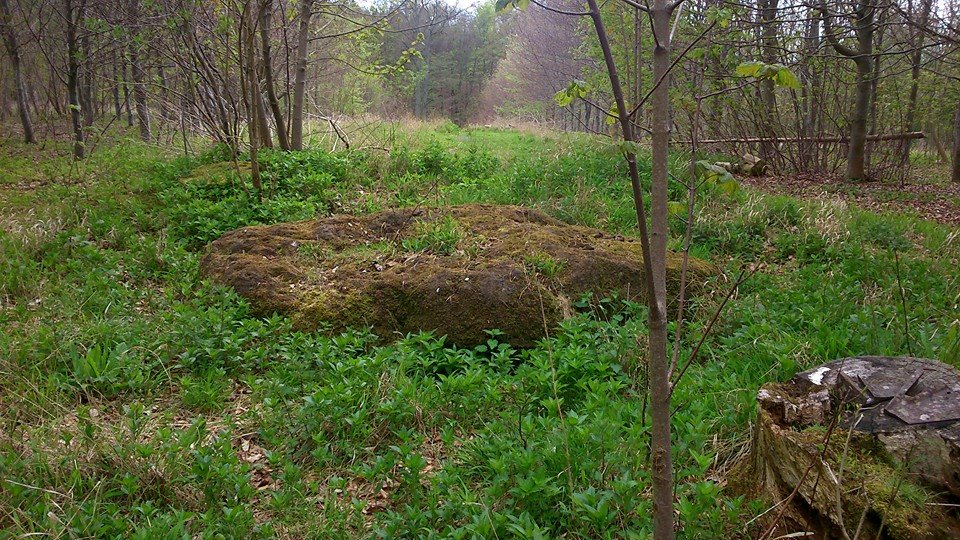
pixel 137 398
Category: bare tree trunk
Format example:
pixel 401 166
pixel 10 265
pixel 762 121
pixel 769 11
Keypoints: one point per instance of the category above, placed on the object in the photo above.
pixel 421 90
pixel 955 170
pixel 300 79
pixel 768 52
pixel 138 73
pixel 117 106
pixel 874 82
pixel 263 126
pixel 653 241
pixel 53 90
pixel 126 92
pixel 73 14
pixel 810 104
pixel 164 98
pixel 856 153
pixel 251 93
pixel 86 81
pixel 863 27
pixel 662 464
pixel 266 15
pixel 13 50
pixel 915 58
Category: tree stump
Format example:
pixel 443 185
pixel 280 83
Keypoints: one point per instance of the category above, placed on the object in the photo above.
pixel 862 447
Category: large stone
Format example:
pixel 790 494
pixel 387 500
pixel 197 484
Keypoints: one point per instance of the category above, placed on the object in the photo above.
pixel 457 271
pixel 889 465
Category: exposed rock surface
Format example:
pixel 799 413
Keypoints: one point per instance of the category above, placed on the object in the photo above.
pixel 891 464
pixel 457 271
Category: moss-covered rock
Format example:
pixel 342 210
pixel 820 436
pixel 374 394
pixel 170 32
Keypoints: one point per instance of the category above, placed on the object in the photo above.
pixel 457 271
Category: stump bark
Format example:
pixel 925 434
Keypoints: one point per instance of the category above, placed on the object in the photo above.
pixel 862 447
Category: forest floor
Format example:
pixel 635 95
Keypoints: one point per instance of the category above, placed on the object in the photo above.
pixel 935 200
pixel 139 400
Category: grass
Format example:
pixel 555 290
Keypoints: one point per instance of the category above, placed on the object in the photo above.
pixel 138 400
pixel 440 237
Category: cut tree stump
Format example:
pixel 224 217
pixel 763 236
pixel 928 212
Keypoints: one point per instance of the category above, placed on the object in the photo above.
pixel 868 443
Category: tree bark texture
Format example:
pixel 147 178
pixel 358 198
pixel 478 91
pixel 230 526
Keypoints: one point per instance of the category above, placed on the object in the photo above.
pixel 266 18
pixel 863 28
pixel 915 58
pixel 300 78
pixel 138 73
pixel 73 14
pixel 654 244
pixel 13 51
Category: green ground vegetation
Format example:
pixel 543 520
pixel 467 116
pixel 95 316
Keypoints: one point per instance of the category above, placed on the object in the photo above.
pixel 138 400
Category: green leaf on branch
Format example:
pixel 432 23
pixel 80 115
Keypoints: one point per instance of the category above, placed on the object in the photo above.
pixel 576 89
pixel 504 6
pixel 563 98
pixel 721 16
pixel 750 69
pixel 786 78
pixel 778 73
pixel 613 115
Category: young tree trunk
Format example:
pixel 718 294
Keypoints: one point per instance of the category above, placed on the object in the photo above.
pixel 117 105
pixel 138 73
pixel 768 52
pixel 863 27
pixel 73 14
pixel 874 83
pixel 126 92
pixel 955 170
pixel 653 242
pixel 810 103
pixel 13 51
pixel 658 370
pixel 915 58
pixel 251 94
pixel 421 91
pixel 53 89
pixel 164 101
pixel 300 79
pixel 265 20
pixel 86 81
pixel 856 153
pixel 263 126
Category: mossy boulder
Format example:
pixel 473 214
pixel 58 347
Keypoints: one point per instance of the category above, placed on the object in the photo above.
pixel 868 444
pixel 458 271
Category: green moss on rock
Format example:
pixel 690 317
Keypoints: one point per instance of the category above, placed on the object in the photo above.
pixel 457 271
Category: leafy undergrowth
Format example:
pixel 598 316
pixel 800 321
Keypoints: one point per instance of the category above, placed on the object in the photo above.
pixel 932 199
pixel 138 400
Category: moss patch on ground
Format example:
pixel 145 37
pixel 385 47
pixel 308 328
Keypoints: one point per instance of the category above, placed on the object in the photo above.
pixel 459 271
